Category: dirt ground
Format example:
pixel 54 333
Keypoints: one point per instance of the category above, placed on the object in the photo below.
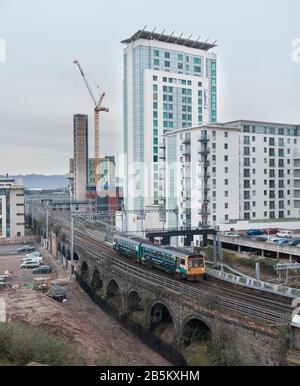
pixel 96 336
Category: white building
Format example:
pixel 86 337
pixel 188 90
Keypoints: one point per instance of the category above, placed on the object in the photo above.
pixel 12 216
pixel 169 83
pixel 224 173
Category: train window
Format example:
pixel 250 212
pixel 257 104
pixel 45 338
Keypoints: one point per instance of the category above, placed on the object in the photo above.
pixel 182 262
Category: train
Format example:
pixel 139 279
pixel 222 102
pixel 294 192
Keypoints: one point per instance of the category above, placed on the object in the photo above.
pixel 171 260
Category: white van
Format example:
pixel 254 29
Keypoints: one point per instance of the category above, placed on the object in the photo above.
pixel 285 234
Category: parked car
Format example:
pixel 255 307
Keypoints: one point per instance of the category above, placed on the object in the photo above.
pixel 285 234
pixel 283 242
pixel 255 232
pixel 231 234
pixel 57 293
pixel 294 242
pixel 260 238
pixel 271 231
pixel 26 249
pixel 31 264
pixel 33 255
pixel 35 258
pixel 43 269
pixel 272 241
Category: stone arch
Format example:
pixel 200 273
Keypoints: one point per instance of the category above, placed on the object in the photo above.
pixel 96 283
pixel 84 271
pixel 194 329
pixel 68 254
pixel 134 301
pixel 59 247
pixel 113 293
pixel 63 250
pixel 162 322
pixel 75 256
pixel 112 287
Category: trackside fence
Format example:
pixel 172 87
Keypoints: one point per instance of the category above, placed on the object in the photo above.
pixel 147 337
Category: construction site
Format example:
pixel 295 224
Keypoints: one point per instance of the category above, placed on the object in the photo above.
pixel 97 338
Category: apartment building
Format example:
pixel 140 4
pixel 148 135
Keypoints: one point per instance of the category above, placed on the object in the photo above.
pixel 169 83
pixel 223 173
pixel 12 216
pixel 267 160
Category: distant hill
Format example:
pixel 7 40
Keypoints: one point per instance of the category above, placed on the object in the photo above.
pixel 39 181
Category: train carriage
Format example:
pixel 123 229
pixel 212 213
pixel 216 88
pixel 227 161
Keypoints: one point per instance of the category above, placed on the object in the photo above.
pixel 127 246
pixel 172 260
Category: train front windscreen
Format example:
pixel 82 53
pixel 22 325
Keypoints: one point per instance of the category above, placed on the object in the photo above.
pixel 196 264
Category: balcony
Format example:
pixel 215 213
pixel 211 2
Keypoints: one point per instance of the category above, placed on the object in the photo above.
pixel 203 139
pixel 187 141
pixel 204 212
pixel 204 151
pixel 162 145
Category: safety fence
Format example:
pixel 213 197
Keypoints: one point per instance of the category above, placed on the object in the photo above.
pixel 147 337
pixel 255 284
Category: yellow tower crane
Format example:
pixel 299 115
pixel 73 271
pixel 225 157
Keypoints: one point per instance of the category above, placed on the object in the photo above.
pixel 98 108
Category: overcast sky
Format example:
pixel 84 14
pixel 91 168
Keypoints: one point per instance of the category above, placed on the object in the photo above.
pixel 40 88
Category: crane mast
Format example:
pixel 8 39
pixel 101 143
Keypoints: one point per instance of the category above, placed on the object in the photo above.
pixel 98 108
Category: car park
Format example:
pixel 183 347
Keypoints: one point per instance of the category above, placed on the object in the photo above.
pixel 31 264
pixel 43 269
pixel 285 234
pixel 26 249
pixel 255 232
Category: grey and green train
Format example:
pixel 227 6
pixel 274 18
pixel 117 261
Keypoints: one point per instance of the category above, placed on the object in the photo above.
pixel 171 260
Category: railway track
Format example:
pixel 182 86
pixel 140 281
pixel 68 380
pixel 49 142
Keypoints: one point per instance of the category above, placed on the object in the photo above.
pixel 272 312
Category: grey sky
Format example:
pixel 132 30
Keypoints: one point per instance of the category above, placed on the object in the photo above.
pixel 40 88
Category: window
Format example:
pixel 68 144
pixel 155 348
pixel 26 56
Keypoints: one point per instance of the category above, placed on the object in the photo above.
pixel 167 63
pixel 180 57
pixel 156 53
pixel 246 173
pixel 156 62
pixel 167 55
pixel 247 140
pixel 271 141
pixel 226 158
pixel 247 162
pixel 226 134
pixel 246 184
pixel 154 77
pixel 197 69
pixel 226 146
pixel 246 150
pixel 246 195
pixel 247 206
